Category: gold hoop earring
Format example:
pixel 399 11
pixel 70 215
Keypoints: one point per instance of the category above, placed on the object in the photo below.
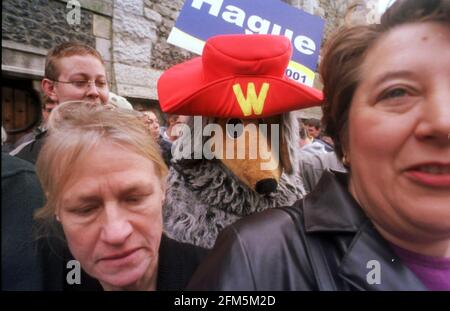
pixel 345 160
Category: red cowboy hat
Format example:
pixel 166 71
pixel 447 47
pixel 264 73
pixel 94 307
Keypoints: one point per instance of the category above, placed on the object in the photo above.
pixel 240 76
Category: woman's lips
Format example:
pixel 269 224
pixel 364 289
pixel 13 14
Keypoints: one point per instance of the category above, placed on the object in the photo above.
pixel 432 174
pixel 120 258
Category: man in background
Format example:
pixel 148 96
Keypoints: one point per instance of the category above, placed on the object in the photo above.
pixel 318 143
pixel 73 71
pixel 46 108
pixel 153 125
pixel 171 133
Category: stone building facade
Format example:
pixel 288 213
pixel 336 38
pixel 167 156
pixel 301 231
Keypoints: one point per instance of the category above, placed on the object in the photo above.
pixel 31 27
pixel 130 34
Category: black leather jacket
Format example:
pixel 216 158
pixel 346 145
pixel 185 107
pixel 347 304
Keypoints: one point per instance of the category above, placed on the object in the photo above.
pixel 323 242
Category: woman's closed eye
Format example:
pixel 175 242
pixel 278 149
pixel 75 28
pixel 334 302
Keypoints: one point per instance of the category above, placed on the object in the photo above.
pixel 135 198
pixel 84 210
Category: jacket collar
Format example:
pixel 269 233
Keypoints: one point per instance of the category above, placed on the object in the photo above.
pixel 331 208
pixel 335 211
pixel 369 254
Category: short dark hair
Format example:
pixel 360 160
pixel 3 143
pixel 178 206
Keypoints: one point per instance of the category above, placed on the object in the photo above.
pixel 344 54
pixel 172 118
pixel 313 122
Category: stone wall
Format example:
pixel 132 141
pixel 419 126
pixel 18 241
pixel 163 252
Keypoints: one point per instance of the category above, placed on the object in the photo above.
pixel 133 38
pixel 335 13
pixel 140 50
pixel 162 51
pixel 130 34
pixel 339 12
pixel 140 30
pixel 31 27
pixel 164 13
pixel 42 23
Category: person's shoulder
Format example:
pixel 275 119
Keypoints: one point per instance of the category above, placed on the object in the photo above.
pixel 119 101
pixel 320 161
pixel 25 138
pixel 259 252
pixel 177 263
pixel 187 249
pixel 271 226
pixel 274 228
pixel 164 143
pixel 30 151
pixel 12 166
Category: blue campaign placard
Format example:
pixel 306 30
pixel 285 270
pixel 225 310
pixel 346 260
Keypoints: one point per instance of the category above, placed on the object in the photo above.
pixel 201 19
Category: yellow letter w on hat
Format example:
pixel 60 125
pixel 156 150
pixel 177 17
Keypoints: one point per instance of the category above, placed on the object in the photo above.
pixel 252 102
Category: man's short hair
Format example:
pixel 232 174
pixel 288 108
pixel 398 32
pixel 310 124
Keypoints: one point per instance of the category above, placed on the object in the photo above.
pixel 172 118
pixel 313 122
pixel 66 49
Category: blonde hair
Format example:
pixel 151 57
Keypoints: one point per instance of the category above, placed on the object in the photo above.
pixel 76 128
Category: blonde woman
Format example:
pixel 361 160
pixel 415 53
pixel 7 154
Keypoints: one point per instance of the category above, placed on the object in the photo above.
pixel 104 178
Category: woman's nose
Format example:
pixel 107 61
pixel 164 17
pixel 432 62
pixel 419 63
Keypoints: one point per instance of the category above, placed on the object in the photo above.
pixel 116 227
pixel 435 119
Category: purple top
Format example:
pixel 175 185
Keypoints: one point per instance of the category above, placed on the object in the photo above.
pixel 434 272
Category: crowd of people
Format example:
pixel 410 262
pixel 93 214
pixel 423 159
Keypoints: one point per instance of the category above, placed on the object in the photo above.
pixel 90 182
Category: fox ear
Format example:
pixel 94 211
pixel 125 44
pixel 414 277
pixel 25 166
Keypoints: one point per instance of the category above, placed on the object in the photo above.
pixel 284 153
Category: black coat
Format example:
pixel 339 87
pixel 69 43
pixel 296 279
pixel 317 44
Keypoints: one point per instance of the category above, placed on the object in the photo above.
pixel 166 150
pixel 22 264
pixel 31 151
pixel 176 264
pixel 323 242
